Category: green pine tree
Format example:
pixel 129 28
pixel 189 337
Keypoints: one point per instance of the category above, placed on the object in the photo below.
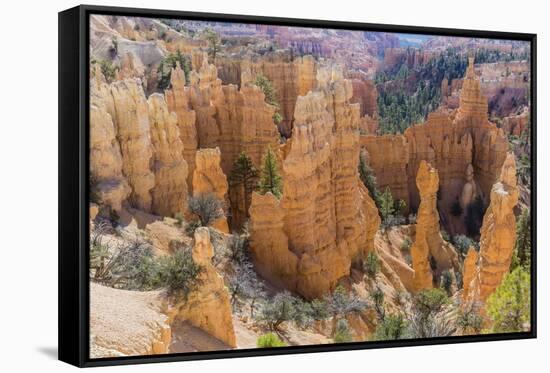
pixel 366 175
pixel 387 206
pixel 270 180
pixel 522 249
pixel 245 175
pixel 509 306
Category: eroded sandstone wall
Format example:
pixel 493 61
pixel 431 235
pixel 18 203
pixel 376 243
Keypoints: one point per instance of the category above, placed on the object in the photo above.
pixel 291 77
pixel 208 178
pixel 328 219
pixel 177 99
pixel 107 179
pixel 169 166
pixel 449 141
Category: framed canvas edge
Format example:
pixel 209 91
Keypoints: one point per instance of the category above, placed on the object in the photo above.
pixel 73 100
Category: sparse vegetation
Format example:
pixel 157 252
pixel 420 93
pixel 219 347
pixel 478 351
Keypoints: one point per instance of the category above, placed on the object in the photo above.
pixel 371 266
pixel 462 244
pixel 269 340
pixel 366 174
pixel 392 327
pixel 214 43
pixel 406 244
pixel 207 207
pixel 164 71
pixel 509 306
pixel 469 321
pixel 108 69
pixel 446 281
pixel 342 332
pixel 131 265
pixel 425 319
pixel 270 95
pixel 340 303
pixel 522 248
pixel 283 307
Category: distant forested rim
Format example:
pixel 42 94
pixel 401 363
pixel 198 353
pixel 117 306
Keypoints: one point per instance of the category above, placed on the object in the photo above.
pixel 407 94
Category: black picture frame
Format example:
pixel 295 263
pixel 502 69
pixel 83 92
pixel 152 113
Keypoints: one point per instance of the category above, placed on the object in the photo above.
pixel 73 44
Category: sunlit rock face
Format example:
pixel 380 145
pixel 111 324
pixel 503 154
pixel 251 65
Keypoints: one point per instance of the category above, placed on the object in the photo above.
pixel 450 141
pixel 328 218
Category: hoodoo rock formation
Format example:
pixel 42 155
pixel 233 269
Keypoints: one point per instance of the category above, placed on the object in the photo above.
pixel 269 243
pixel 450 142
pixel 177 100
pixel 469 271
pixel 427 227
pixel 498 232
pixel 429 243
pixel 209 178
pixel 325 225
pixel 109 184
pixel 291 78
pixel 208 307
pixel 170 191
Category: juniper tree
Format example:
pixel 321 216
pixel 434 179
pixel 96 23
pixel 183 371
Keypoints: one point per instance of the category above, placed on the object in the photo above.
pixel 270 179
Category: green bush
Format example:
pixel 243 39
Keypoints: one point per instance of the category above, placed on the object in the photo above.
pixel 371 266
pixel 391 327
pixel 463 243
pixel 446 281
pixel 406 244
pixel 179 273
pixel 430 301
pixel 108 69
pixel 469 321
pixel 340 302
pixel 342 332
pixel 164 71
pixel 207 207
pixel 179 219
pixel 270 95
pixel 509 306
pixel 283 307
pixel 269 340
pixel 377 297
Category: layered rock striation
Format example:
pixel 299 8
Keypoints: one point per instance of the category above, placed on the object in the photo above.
pixel 209 179
pixel 448 141
pixel 429 245
pixel 325 217
pixel 498 232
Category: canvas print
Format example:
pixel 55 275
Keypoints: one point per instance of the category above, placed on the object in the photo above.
pixel 258 186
